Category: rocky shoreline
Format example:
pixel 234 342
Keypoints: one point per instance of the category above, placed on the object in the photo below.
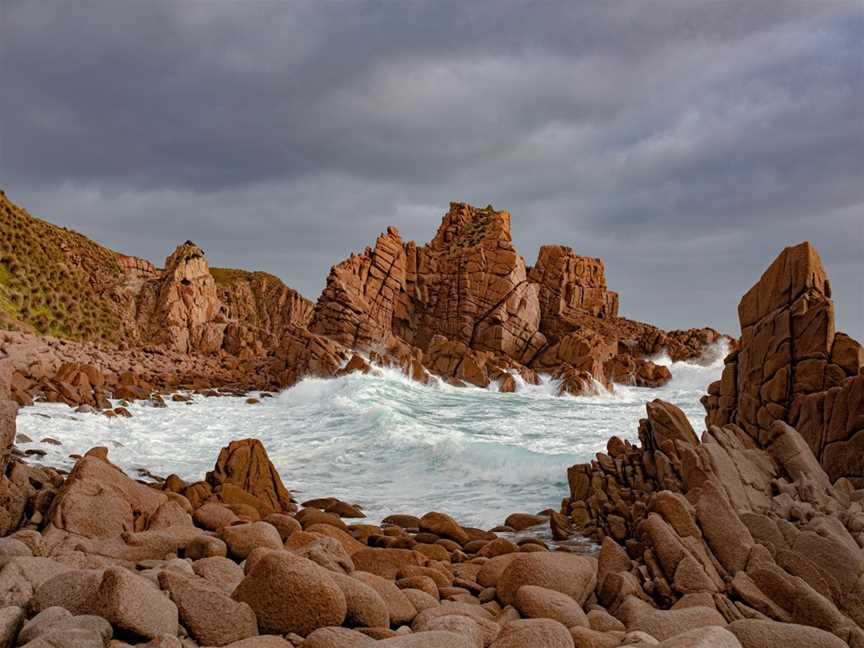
pixel 465 308
pixel 748 536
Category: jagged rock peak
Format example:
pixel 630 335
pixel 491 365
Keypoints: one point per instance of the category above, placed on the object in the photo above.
pixel 187 262
pixel 465 226
pixel 792 366
pixel 797 269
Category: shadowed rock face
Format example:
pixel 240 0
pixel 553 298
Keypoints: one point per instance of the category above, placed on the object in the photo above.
pixel 791 366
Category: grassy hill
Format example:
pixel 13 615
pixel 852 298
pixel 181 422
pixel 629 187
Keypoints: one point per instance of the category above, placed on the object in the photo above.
pixel 55 281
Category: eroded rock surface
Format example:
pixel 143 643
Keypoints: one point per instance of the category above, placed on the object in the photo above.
pixel 756 521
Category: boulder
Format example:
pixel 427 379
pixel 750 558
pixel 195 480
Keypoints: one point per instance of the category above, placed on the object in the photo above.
pixel 289 593
pixel 388 563
pixel 764 633
pixel 11 621
pixel 244 474
pixel 98 500
pixel 336 638
pixel 56 626
pixel 540 603
pixel 366 607
pixel 708 637
pixel 638 615
pixel 399 607
pixel 21 576
pixel 207 612
pixel 431 639
pixel 219 571
pixel 573 575
pixel 443 525
pixel 528 633
pixel 214 516
pixel 457 624
pixel 241 539
pixel 129 602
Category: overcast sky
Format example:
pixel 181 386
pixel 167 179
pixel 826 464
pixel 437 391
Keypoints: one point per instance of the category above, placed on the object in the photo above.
pixel 686 142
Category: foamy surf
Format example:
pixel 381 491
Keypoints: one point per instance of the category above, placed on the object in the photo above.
pixel 382 440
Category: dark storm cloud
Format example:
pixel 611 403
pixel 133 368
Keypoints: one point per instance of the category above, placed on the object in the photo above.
pixel 685 141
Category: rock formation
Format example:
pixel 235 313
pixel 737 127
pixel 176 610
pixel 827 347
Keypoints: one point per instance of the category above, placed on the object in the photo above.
pixel 466 308
pixel 745 521
pixel 10 495
pixel 260 309
pixel 791 366
pixel 739 539
pixel 182 310
pixel 571 285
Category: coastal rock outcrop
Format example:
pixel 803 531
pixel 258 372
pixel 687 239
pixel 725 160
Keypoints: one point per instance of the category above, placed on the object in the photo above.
pixel 464 306
pixel 182 310
pixel 244 475
pixel 791 366
pixel 571 285
pixel 744 520
pixel 467 308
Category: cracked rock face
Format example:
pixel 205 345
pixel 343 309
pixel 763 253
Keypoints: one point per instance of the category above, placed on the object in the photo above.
pixel 467 303
pixel 182 310
pixel 756 519
pixel 792 366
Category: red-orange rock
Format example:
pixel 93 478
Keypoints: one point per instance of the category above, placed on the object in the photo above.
pixel 244 474
pixel 182 309
pixel 571 284
pixel 791 366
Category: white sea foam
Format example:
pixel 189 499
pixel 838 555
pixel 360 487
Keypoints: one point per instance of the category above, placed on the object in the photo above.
pixel 383 441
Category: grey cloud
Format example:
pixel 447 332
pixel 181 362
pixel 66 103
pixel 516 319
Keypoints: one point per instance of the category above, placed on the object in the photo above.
pixel 686 142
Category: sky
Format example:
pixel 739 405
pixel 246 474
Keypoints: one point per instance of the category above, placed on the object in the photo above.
pixel 686 142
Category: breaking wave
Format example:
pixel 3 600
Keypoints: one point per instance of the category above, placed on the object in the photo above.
pixel 384 441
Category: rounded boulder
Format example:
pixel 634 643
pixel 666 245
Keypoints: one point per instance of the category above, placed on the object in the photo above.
pixel 562 572
pixel 291 594
pixel 531 633
pixel 540 603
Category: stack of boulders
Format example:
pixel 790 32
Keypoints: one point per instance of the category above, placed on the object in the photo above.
pixel 231 561
pixel 746 522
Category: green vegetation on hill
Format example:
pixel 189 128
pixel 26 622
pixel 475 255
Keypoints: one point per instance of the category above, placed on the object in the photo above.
pixel 55 281
pixel 227 276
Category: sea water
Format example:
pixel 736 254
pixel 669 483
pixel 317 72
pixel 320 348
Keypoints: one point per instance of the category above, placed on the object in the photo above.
pixel 382 441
